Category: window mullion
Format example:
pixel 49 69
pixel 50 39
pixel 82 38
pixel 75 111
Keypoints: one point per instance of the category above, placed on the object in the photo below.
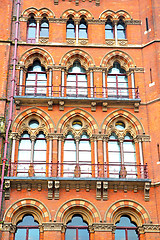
pixel 122 153
pixel 32 149
pixel 77 151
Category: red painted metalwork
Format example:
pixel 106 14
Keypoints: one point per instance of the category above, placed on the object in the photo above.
pixel 89 92
pixel 98 170
pixel 11 102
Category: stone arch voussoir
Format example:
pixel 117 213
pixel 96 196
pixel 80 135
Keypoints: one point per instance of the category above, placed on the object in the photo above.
pixel 127 204
pixel 33 111
pixel 80 203
pixel 124 114
pixel 27 203
pixel 79 113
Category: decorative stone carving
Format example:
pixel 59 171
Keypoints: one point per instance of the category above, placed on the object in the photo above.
pixel 143 138
pixel 102 227
pixel 61 105
pixel 29 186
pixel 50 105
pixel 7 189
pixel 105 191
pixel 151 227
pixel 77 187
pixel 135 188
pixel 70 41
pixel 39 187
pixel 123 42
pixel 125 188
pixel 115 187
pixel 77 171
pixel 50 190
pixel 136 107
pixel 87 187
pixel 146 191
pixel 67 187
pixel 83 41
pixel 110 42
pixel 98 190
pixel 17 102
pixel 133 22
pixel 104 106
pixel 56 190
pixel 31 171
pixel 52 226
pixel 43 40
pixel 19 186
pixel 55 2
pixel 93 106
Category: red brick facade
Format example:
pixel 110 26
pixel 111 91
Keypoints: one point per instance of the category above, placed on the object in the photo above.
pixel 114 100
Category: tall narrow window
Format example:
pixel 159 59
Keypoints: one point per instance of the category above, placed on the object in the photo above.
pixel 44 28
pixel 77 81
pixel 77 154
pixel 70 29
pixel 83 29
pixel 114 156
pixel 39 159
pixel 85 155
pixel 122 155
pixel 31 30
pixel 77 229
pixel 117 82
pixel 69 161
pixel 126 230
pixel 27 229
pixel 108 29
pixel 36 80
pixel 121 32
pixel 24 155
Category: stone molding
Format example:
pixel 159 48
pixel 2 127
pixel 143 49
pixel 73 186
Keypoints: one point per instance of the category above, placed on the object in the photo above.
pixel 103 227
pixel 52 226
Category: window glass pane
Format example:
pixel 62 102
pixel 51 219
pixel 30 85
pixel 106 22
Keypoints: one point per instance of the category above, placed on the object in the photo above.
pixel 70 33
pixel 70 234
pixel 44 32
pixel 132 235
pixel 20 234
pixel 28 220
pixel 109 34
pixel 77 220
pixel 125 222
pixel 83 234
pixel 33 234
pixel 33 123
pixel 121 34
pixel 32 32
pixel 82 33
pixel 120 234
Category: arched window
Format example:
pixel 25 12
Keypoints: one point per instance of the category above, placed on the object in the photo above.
pixel 27 229
pixel 31 30
pixel 32 152
pixel 126 230
pixel 70 28
pixel 44 28
pixel 77 154
pixel 24 154
pixel 109 29
pixel 83 28
pixel 117 82
pixel 77 81
pixel 77 229
pixel 36 80
pixel 121 31
pixel 122 155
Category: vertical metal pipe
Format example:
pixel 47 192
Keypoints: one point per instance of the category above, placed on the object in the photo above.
pixel 133 85
pixel 11 102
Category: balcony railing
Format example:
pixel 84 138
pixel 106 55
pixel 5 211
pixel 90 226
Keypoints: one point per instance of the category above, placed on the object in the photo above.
pixel 114 170
pixel 77 92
